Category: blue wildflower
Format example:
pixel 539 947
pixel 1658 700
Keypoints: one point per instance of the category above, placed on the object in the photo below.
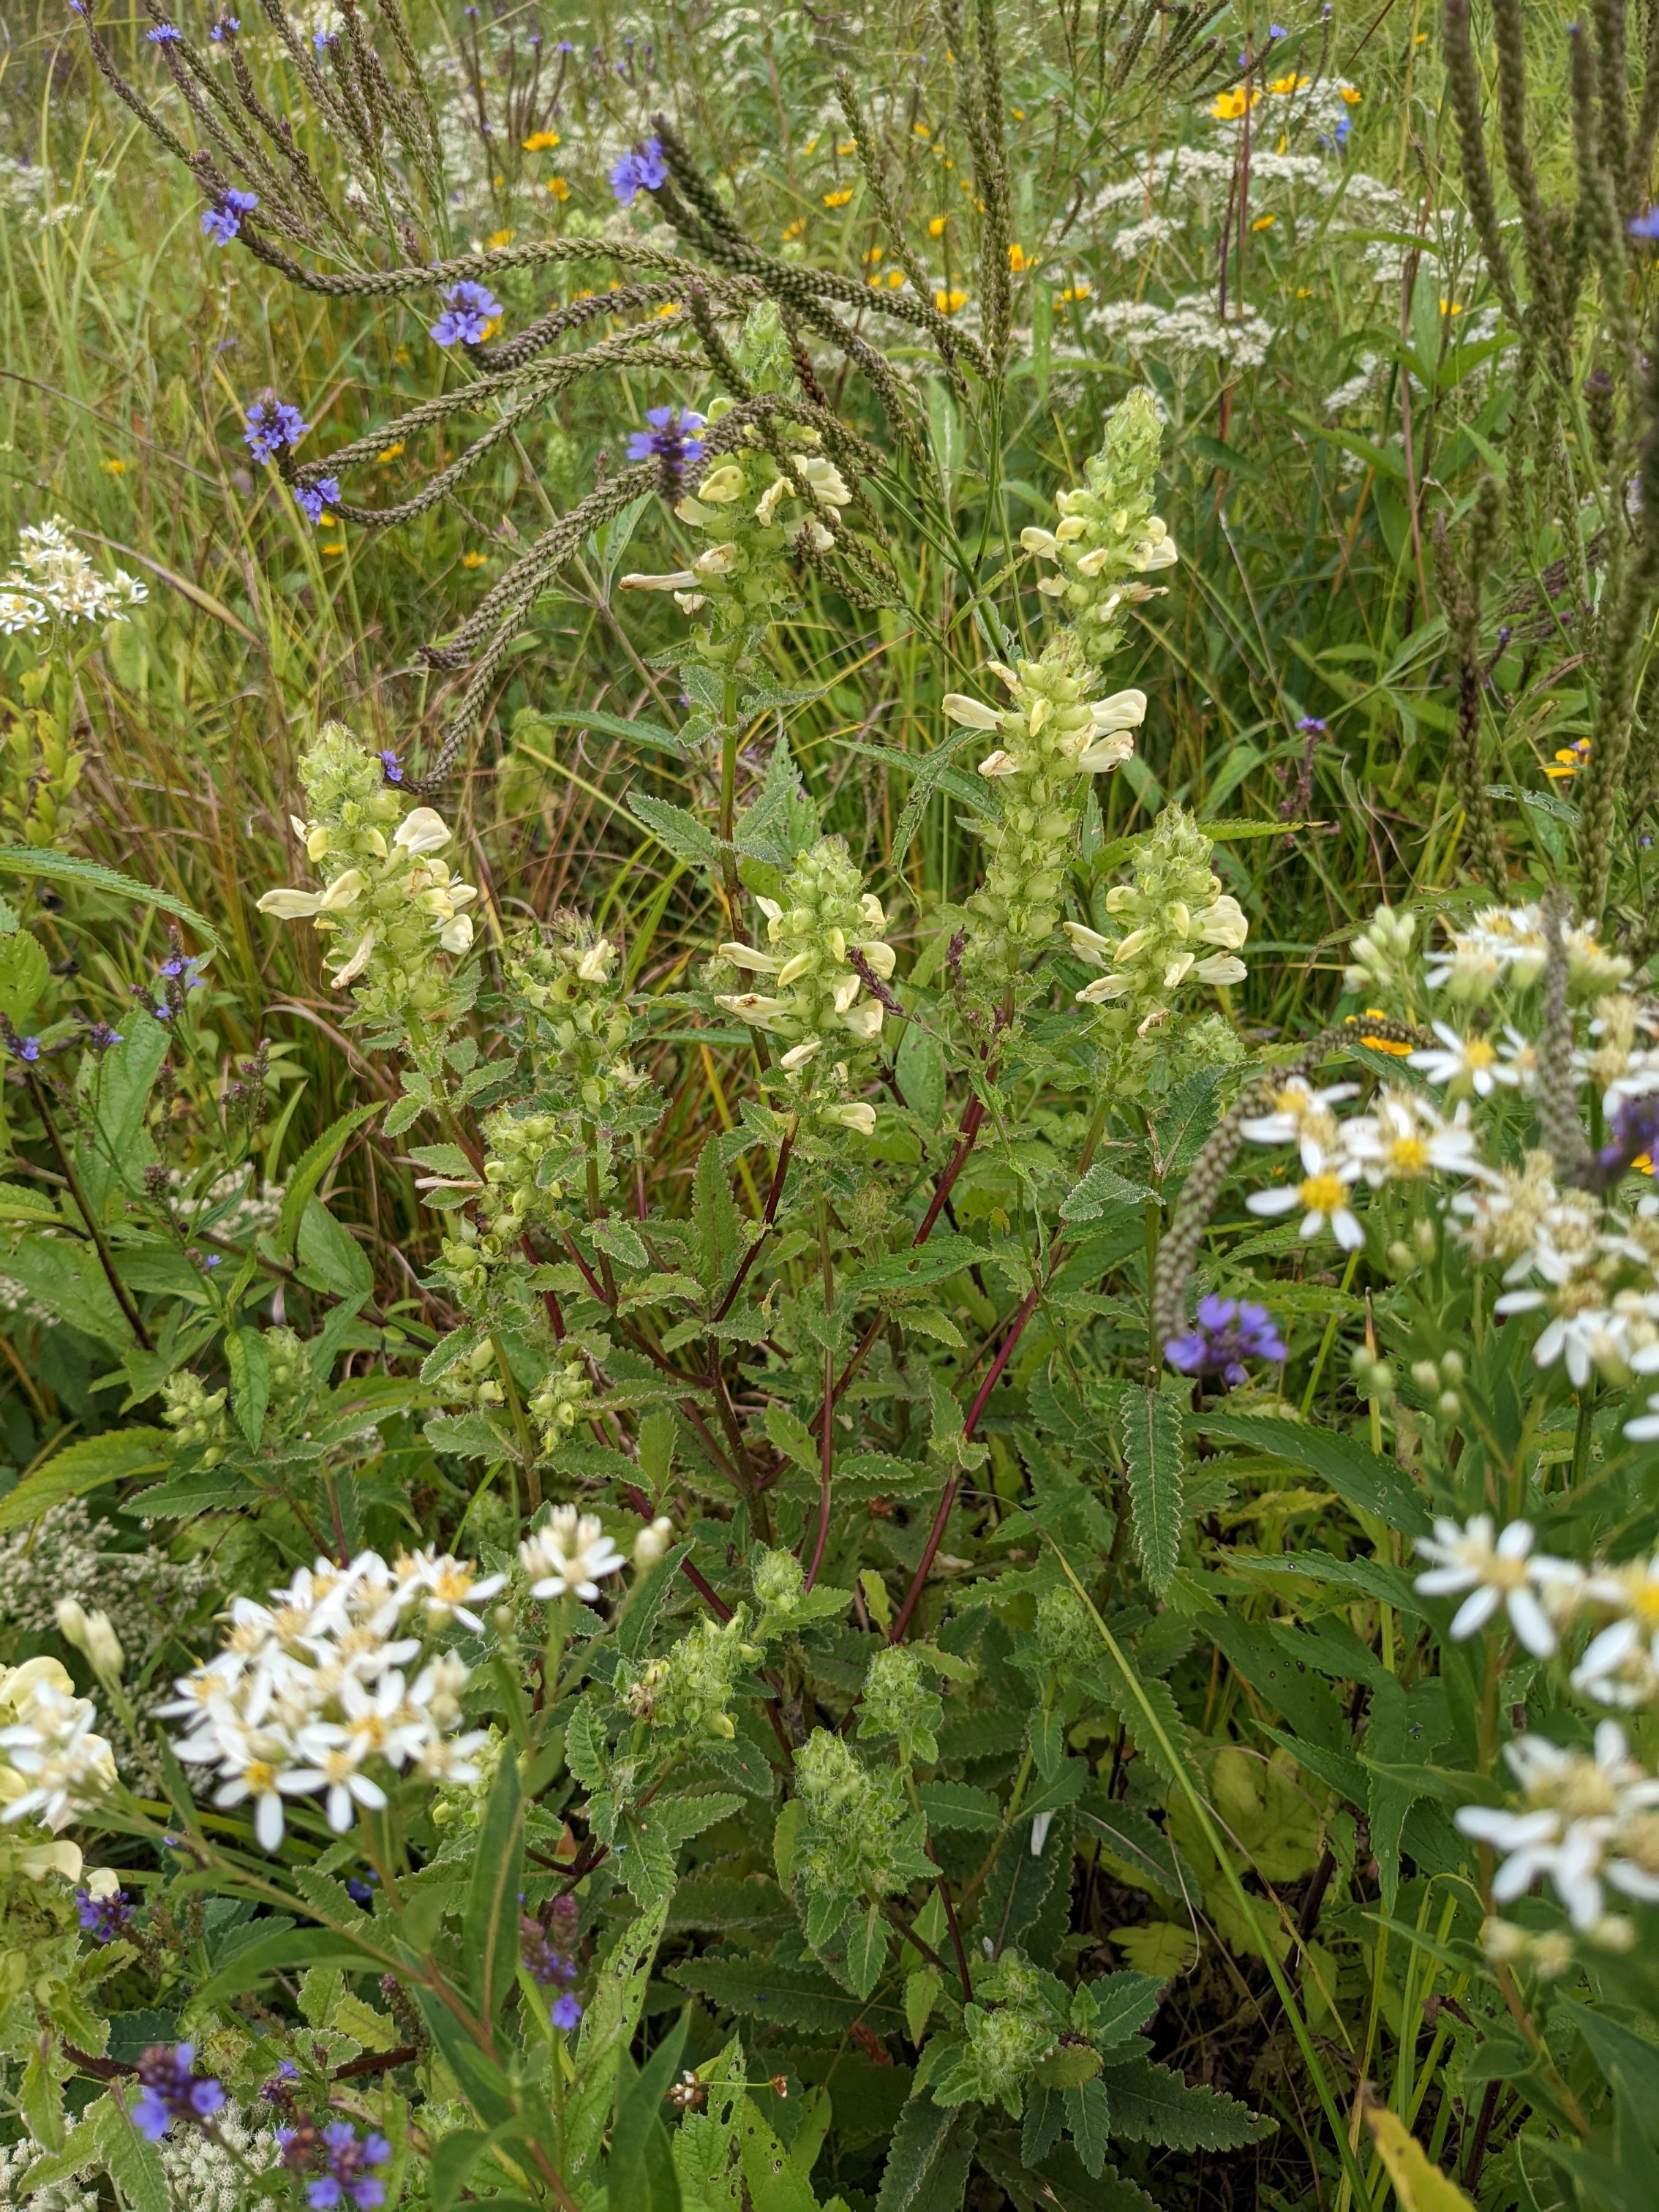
pixel 346 2175
pixel 1226 1332
pixel 103 1918
pixel 277 2090
pixel 182 969
pixel 322 39
pixel 360 1888
pixel 1311 727
pixel 172 2090
pixel 314 499
pixel 1646 225
pixel 223 221
pixel 670 440
pixel 567 2012
pixel 164 34
pixel 641 170
pixel 564 46
pixel 222 29
pixel 391 767
pixel 101 1037
pixel 27 1048
pixel 469 310
pixel 271 425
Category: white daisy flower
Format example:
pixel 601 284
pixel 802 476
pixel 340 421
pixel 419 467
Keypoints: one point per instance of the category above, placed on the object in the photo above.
pixel 1495 1573
pixel 1471 1063
pixel 1322 1194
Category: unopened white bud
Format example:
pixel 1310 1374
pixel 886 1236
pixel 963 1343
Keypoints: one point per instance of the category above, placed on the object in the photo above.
pixel 653 1541
pixel 91 1632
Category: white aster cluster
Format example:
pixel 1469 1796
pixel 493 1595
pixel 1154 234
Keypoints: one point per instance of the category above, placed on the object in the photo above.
pixel 312 1693
pixel 53 1764
pixel 570 1554
pixel 52 580
pixel 1401 1139
pixel 1545 1600
pixel 1591 1822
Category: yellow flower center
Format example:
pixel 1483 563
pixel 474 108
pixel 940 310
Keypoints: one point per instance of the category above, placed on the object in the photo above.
pixel 1477 1053
pixel 260 1776
pixel 1324 1193
pixel 1409 1156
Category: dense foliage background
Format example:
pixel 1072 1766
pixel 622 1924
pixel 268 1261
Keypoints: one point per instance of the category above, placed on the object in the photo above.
pixel 1190 1810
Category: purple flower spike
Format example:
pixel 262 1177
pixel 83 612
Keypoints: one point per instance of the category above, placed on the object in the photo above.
pixel 1226 1332
pixel 172 2090
pixel 641 170
pixel 313 501
pixel 671 441
pixel 103 1918
pixel 271 425
pixel 469 309
pixel 346 2178
pixel 223 221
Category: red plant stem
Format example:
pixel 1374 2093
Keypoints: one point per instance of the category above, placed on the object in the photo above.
pixel 948 1496
pixel 711 1597
pixel 972 1122
pixel 773 1197
pixel 549 1297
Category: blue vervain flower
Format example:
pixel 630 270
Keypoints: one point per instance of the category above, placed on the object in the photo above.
pixel 222 222
pixel 469 310
pixel 641 170
pixel 1226 1332
pixel 271 425
pixel 172 2090
pixel 313 501
pixel 671 439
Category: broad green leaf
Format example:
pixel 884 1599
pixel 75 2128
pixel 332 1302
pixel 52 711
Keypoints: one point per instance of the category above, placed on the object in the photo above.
pixel 1152 2103
pixel 490 1931
pixel 867 1949
pixel 1153 1460
pixel 79 1467
pixel 70 868
pixel 309 1169
pixel 286 1948
pixel 66 1278
pixel 250 1380
pixel 783 1995
pixel 134 2165
pixel 1101 1188
pixel 921 1071
pixel 609 2025
pixel 610 726
pixel 330 1259
pixel 24 971
pixel 640 2172
pixel 929 2156
pixel 682 833
pixel 1361 1477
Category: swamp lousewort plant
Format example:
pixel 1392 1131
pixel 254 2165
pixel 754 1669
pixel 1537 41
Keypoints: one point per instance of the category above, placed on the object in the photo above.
pixel 937 1567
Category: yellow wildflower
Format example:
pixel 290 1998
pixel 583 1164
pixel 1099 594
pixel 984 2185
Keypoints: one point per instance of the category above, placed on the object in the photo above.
pixel 921 130
pixel 936 225
pixel 948 303
pixel 541 142
pixel 500 238
pixel 1228 106
pixel 1292 82
pixel 872 254
pixel 1568 761
pixel 1018 259
pixel 848 146
pixel 839 198
pixel 668 308
pixel 560 187
pixel 1450 308
pixel 113 468
pixel 339 546
pixel 1353 95
pixel 473 560
pixel 1264 223
pixel 1074 293
pixel 896 280
pixel 794 230
pixel 1382 1044
pixel 392 451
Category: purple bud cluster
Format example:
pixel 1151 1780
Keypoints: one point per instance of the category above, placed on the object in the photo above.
pixel 172 2090
pixel 1226 1332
